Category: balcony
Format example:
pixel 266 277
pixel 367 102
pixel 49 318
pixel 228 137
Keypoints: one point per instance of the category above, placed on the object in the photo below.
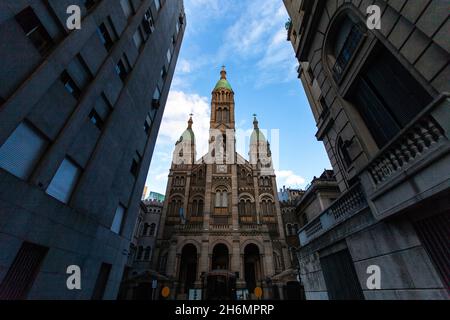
pixel 189 227
pixel 414 164
pixel 347 205
pixel 247 219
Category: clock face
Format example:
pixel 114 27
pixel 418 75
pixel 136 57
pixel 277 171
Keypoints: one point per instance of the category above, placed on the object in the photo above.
pixel 222 168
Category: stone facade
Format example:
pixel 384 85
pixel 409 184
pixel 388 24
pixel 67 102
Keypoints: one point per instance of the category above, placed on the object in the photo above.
pixel 139 276
pixel 381 104
pixel 222 234
pixel 80 112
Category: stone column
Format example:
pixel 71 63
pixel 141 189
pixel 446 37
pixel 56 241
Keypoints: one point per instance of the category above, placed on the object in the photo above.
pixel 235 257
pixel 204 262
pixel 186 194
pixel 171 267
pixel 268 259
pixel 257 207
pixel 234 198
pixel 207 211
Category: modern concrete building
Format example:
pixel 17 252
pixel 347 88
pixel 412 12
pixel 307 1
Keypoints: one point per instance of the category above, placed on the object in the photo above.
pixel 221 233
pixel 80 112
pixel 140 281
pixel 380 98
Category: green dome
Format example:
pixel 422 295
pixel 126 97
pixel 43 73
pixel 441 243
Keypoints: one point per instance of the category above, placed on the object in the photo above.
pixel 188 135
pixel 257 136
pixel 223 84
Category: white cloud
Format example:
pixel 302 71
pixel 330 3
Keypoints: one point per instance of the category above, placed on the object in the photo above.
pixel 289 179
pixel 179 106
pixel 183 66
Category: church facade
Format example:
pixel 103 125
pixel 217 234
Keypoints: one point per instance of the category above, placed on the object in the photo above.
pixel 221 233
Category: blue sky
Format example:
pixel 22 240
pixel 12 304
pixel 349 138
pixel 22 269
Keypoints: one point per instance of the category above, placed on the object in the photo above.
pixel 249 38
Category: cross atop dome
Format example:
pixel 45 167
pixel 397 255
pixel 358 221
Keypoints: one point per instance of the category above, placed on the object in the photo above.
pixel 223 73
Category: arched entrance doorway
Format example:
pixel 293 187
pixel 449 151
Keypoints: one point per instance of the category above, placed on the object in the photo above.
pixel 294 291
pixel 252 266
pixel 188 268
pixel 220 257
pixel 220 283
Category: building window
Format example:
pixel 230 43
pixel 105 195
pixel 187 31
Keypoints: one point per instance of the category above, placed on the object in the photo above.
pixel 147 22
pixel 138 39
pixel 22 150
pixel 169 55
pixel 100 112
pixel 221 199
pixel 70 85
pixel 34 30
pixel 163 73
pixel 135 164
pixel 147 125
pixel 127 8
pixel 105 36
pixel 156 98
pixel 157 4
pixel 152 229
pixel 23 271
pixel 343 152
pixel 148 251
pixel 345 45
pixel 145 230
pixel 387 97
pixel 123 68
pixel 95 118
pixel 116 225
pixel 102 281
pixel 140 252
pixel 64 181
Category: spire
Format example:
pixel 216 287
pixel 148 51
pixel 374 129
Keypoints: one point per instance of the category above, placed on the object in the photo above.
pixel 223 73
pixel 190 122
pixel 255 122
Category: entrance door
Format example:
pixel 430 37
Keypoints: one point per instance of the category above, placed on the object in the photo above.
pixel 340 277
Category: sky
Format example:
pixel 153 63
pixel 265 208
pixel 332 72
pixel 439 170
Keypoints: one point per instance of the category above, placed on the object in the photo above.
pixel 249 38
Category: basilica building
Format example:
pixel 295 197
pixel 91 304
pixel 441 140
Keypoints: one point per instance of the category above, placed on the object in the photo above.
pixel 221 233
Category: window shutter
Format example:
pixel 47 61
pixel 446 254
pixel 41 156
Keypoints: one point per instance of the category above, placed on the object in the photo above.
pixel 22 150
pixel 118 219
pixel 64 181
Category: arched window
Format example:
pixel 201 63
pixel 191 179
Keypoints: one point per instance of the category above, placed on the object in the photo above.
pixel 139 253
pixel 221 199
pixel 226 115
pixel 267 206
pixel 224 199
pixel 249 179
pixel 219 115
pixel 288 229
pixel 194 208
pixel 146 228
pixel 218 199
pixel 152 229
pixel 242 208
pixel 147 253
pixel 200 208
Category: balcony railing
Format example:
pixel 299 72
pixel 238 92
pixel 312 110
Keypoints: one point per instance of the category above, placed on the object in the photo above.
pixel 344 207
pixel 417 140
